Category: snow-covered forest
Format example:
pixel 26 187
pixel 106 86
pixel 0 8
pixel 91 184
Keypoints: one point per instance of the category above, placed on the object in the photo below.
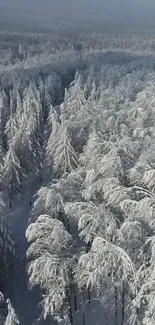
pixel 77 175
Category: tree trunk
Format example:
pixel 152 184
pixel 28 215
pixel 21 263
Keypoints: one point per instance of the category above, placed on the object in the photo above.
pixel 68 226
pixel 75 302
pixel 104 310
pixel 70 313
pixel 123 303
pixel 116 307
pixel 106 318
pixel 10 204
pixel 83 318
pixel 61 217
pixel 88 246
pixel 40 178
pixel 137 312
pixel 89 298
pixel 70 310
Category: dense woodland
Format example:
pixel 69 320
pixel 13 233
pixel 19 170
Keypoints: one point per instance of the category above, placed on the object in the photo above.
pixel 77 117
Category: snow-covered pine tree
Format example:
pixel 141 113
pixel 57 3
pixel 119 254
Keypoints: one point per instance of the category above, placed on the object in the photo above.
pixel 8 253
pixel 70 187
pixel 50 265
pixel 92 150
pixel 60 150
pixel 3 309
pixel 48 201
pixel 93 220
pixel 24 151
pixel 12 318
pixel 13 173
pixel 4 114
pixel 131 237
pixel 106 270
pixel 11 129
pixel 52 141
pixel 74 97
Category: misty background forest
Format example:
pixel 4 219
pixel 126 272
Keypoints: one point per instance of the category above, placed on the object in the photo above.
pixel 77 170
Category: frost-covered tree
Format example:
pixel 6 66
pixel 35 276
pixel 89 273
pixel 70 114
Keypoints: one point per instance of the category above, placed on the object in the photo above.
pixel 74 97
pixel 8 253
pixel 132 237
pixel 3 309
pixel 11 129
pixel 93 220
pixel 64 157
pixel 52 141
pixel 93 150
pixel 108 167
pixel 13 173
pixel 4 113
pixel 50 265
pixel 12 318
pixel 142 211
pixel 141 309
pixel 109 271
pixel 149 179
pixel 33 125
pixel 70 186
pixel 48 201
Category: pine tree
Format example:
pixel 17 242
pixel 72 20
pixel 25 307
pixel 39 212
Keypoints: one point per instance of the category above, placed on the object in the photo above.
pixel 50 264
pixel 8 254
pixel 4 113
pixel 3 309
pixel 49 202
pixel 11 129
pixel 60 149
pixel 13 173
pixel 105 269
pixel 12 318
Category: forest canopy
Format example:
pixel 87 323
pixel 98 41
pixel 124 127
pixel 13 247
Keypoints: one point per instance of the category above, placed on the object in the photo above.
pixel 77 173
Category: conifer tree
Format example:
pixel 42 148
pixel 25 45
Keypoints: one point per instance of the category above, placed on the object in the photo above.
pixel 64 157
pixel 13 173
pixel 50 264
pixel 12 318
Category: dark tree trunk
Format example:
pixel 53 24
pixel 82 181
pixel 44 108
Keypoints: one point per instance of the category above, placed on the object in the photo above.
pixel 116 307
pixel 104 311
pixel 123 303
pixel 70 310
pixel 40 178
pixel 106 318
pixel 75 302
pixel 83 318
pixel 61 217
pixel 68 226
pixel 137 312
pixel 70 315
pixel 88 247
pixel 83 299
pixel 89 298
pixel 10 204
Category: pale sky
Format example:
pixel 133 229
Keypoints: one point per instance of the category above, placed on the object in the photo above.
pixel 116 10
